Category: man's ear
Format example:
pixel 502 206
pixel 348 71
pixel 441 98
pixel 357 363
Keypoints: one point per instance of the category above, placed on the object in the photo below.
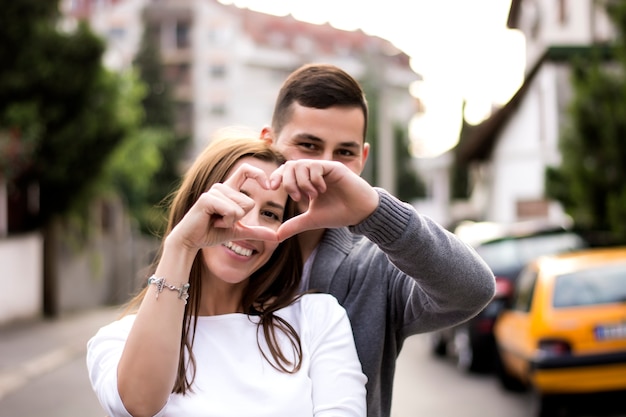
pixel 266 135
pixel 366 152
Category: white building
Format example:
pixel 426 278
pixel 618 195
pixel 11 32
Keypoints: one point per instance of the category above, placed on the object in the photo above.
pixel 508 153
pixel 228 63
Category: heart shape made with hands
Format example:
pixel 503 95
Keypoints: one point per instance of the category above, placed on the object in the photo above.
pixel 297 224
pixel 333 195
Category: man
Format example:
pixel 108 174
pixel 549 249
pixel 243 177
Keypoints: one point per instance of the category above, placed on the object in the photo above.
pixel 397 273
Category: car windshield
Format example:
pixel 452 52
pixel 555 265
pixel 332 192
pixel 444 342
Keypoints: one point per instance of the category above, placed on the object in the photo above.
pixel 507 256
pixel 600 285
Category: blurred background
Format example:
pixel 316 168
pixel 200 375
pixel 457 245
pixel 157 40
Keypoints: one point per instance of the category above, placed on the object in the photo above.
pixel 494 117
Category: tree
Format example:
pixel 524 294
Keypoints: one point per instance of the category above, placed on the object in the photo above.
pixel 156 150
pixel 59 108
pixel 590 181
pixel 62 114
pixel 408 184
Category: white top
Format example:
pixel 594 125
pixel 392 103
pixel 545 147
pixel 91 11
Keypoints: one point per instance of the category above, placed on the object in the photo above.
pixel 233 378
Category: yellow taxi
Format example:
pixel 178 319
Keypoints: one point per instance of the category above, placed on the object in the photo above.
pixel 564 331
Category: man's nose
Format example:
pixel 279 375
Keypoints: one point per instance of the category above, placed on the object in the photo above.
pixel 328 155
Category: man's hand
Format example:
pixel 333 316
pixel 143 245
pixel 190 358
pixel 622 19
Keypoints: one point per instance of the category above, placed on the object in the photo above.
pixel 336 196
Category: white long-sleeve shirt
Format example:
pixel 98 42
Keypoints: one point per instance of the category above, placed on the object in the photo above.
pixel 234 379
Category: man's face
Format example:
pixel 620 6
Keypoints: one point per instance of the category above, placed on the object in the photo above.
pixel 333 134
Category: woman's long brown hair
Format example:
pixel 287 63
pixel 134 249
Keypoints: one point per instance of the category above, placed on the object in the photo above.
pixel 273 286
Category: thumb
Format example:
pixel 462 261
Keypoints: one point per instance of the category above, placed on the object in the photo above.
pixel 255 232
pixel 295 225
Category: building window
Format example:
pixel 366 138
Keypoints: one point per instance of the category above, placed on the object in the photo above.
pixel 116 34
pixel 179 74
pixel 184 116
pixel 182 35
pixel 563 11
pixel 218 109
pixel 218 71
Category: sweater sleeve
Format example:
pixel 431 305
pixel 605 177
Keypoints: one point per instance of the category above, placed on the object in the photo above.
pixel 335 371
pixel 450 282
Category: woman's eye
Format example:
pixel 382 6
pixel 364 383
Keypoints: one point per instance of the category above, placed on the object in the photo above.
pixel 271 215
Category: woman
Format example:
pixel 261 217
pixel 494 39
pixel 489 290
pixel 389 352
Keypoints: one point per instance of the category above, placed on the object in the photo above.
pixel 220 329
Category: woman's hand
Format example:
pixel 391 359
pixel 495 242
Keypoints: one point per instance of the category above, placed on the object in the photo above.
pixel 215 217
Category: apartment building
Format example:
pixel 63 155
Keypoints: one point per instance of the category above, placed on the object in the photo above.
pixel 227 63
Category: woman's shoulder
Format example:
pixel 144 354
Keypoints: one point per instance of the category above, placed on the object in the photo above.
pixel 319 305
pixel 319 299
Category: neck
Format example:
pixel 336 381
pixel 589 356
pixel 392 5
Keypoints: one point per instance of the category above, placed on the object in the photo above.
pixel 308 241
pixel 221 299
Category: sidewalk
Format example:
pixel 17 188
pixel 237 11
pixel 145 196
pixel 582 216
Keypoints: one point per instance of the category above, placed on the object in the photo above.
pixel 32 348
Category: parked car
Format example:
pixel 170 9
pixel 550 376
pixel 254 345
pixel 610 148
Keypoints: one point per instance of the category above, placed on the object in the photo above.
pixel 471 343
pixel 564 331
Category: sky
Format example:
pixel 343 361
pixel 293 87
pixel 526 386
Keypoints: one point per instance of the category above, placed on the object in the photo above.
pixel 461 48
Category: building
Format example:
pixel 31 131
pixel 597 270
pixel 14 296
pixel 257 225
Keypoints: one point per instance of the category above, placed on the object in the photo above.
pixel 508 153
pixel 227 63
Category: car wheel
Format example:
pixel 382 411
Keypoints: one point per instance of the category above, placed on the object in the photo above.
pixel 438 345
pixel 462 349
pixel 467 359
pixel 545 405
pixel 506 380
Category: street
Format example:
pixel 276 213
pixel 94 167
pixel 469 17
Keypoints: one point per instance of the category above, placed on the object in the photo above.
pixel 429 386
pixel 43 373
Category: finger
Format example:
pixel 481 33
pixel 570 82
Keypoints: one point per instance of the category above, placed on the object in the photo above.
pixel 302 173
pixel 245 172
pixel 295 225
pixel 276 178
pixel 289 181
pixel 317 174
pixel 225 205
pixel 254 232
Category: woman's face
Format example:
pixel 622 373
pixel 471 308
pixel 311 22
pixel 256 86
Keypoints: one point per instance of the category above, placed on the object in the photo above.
pixel 233 262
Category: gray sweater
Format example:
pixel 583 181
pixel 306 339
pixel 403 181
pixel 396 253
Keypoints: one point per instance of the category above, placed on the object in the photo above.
pixel 398 273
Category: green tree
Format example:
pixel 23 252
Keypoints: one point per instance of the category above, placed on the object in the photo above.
pixel 62 114
pixel 59 108
pixel 590 182
pixel 156 151
pixel 409 186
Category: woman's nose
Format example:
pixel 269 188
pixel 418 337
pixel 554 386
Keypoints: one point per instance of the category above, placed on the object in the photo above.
pixel 251 218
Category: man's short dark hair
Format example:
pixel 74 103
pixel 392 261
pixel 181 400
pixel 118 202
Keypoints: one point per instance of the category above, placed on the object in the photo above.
pixel 318 86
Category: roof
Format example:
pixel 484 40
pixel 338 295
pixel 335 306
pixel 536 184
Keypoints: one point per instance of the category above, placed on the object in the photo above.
pixel 287 32
pixel 479 144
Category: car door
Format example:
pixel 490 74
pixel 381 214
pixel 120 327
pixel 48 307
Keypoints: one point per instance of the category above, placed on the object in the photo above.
pixel 513 329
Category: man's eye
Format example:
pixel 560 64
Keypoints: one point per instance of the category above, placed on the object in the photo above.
pixel 345 152
pixel 307 145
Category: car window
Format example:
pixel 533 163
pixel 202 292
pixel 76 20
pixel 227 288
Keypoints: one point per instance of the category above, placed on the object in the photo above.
pixel 522 299
pixel 501 255
pixel 601 285
pixel 509 255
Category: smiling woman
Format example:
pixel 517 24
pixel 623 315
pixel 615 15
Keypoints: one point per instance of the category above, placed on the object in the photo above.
pixel 221 326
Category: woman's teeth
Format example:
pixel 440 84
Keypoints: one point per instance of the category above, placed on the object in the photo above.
pixel 238 249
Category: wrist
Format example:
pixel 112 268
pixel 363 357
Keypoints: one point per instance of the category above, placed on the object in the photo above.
pixel 176 257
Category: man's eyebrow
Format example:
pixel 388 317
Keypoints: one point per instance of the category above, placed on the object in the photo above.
pixel 313 138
